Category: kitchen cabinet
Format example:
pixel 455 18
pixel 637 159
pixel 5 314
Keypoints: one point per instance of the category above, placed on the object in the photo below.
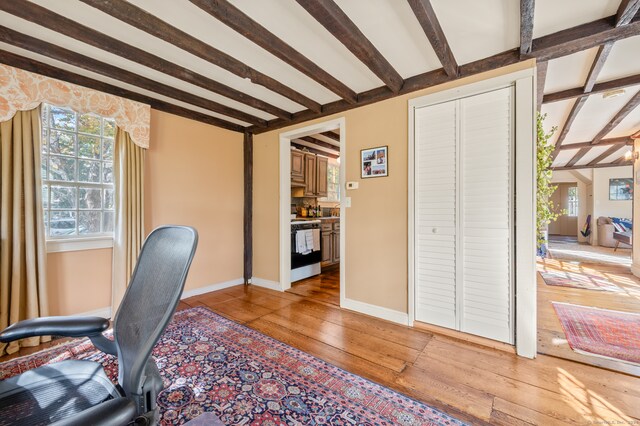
pixel 297 167
pixel 330 242
pixel 327 252
pixel 309 174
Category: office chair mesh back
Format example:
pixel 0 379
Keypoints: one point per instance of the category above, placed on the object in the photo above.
pixel 151 299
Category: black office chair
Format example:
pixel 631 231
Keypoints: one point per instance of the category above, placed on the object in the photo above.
pixel 77 392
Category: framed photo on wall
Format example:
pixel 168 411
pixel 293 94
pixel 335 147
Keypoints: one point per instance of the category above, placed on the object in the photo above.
pixel 374 162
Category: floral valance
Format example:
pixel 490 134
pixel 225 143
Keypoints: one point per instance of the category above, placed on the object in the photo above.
pixel 23 90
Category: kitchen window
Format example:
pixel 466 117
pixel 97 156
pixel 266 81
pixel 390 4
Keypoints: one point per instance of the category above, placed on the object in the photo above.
pixel 77 175
pixel 333 182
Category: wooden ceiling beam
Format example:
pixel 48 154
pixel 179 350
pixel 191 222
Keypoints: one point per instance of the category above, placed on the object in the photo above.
pixel 527 8
pixel 596 67
pixel 541 77
pixel 313 151
pixel 626 110
pixel 576 92
pixel 578 156
pixel 625 140
pixel 616 163
pixel 318 142
pixel 234 18
pixel 58 53
pixel 423 10
pixel 612 149
pixel 41 68
pixel 331 135
pixel 582 37
pixel 626 11
pixel 330 16
pixel 577 106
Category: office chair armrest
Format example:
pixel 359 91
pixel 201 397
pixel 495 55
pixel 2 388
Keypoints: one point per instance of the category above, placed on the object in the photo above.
pixel 115 412
pixel 58 326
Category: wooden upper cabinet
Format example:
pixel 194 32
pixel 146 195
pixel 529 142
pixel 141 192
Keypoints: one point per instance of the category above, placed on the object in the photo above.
pixel 321 176
pixel 297 167
pixel 309 175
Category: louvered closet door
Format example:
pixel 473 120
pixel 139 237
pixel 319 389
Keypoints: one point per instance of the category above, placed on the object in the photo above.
pixel 485 163
pixel 435 214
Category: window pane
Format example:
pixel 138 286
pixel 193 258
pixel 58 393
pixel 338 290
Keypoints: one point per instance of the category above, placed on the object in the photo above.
pixel 90 198
pixel 107 173
pixel 62 143
pixel 108 199
pixel 88 171
pixel 45 197
pixel 88 222
pixel 89 123
pixel 43 143
pixel 61 168
pixel 44 160
pixel 63 223
pixel 46 222
pixel 109 128
pixel 63 197
pixel 63 118
pixel 107 149
pixel 88 147
pixel 107 222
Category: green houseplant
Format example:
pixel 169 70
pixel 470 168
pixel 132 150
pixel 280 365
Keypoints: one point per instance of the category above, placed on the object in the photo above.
pixel 545 208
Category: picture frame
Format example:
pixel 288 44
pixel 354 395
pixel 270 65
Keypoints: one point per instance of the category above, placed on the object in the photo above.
pixel 374 162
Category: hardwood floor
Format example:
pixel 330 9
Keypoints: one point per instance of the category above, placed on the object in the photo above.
pixel 321 288
pixel 551 337
pixel 474 383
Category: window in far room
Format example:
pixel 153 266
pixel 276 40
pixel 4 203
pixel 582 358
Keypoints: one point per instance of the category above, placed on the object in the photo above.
pixel 77 174
pixel 572 205
pixel 333 182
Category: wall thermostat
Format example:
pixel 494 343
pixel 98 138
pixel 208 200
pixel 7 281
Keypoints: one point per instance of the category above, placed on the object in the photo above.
pixel 352 185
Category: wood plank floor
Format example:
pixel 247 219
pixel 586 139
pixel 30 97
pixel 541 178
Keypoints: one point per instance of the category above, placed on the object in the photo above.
pixel 474 383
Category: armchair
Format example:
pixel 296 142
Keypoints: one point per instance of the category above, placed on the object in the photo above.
pixel 79 392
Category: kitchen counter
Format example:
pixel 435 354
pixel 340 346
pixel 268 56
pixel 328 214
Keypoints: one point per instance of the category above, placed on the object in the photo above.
pixel 316 218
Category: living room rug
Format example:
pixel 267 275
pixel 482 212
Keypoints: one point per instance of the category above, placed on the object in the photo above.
pixel 579 280
pixel 601 332
pixel 212 364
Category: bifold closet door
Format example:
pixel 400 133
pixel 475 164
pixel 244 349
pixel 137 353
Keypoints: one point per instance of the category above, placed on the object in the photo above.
pixel 435 214
pixel 486 127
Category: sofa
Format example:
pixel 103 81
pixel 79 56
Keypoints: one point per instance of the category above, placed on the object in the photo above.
pixel 608 226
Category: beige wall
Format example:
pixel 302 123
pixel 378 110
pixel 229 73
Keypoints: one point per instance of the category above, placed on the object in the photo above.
pixel 193 176
pixel 376 224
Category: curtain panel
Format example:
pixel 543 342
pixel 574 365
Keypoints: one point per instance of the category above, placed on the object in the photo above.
pixel 23 285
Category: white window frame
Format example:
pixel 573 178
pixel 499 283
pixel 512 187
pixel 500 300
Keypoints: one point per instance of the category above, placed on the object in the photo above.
pixel 572 203
pixel 64 243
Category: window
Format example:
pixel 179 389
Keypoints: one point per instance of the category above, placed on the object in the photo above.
pixel 333 182
pixel 621 189
pixel 573 201
pixel 77 174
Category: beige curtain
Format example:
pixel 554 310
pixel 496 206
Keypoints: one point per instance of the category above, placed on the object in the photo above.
pixel 23 284
pixel 128 169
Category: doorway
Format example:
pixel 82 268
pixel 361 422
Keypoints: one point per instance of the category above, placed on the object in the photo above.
pixel 312 201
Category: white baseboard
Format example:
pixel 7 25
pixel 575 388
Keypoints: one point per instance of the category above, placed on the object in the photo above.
pixel 102 313
pixel 635 270
pixel 212 287
pixel 271 285
pixel 376 311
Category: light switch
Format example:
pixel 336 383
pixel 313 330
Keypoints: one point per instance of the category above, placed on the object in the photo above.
pixel 347 201
pixel 352 185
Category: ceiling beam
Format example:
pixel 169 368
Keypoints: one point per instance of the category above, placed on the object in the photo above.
pixel 616 163
pixel 72 58
pixel 626 11
pixel 612 149
pixel 527 8
pixel 577 106
pixel 630 106
pixel 625 140
pixel 582 37
pixel 48 19
pixel 596 66
pixel 234 18
pixel 330 16
pixel 578 156
pixel 541 78
pixel 428 20
pixel 576 92
pixel 41 68
pixel 312 150
pixel 331 135
pixel 320 143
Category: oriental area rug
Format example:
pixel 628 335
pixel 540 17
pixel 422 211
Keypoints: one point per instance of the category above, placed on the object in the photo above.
pixel 601 332
pixel 210 364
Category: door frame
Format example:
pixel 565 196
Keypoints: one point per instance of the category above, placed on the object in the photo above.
pixel 285 198
pixel 525 291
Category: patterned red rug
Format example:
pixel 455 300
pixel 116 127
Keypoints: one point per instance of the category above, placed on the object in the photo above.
pixel 578 280
pixel 601 332
pixel 212 364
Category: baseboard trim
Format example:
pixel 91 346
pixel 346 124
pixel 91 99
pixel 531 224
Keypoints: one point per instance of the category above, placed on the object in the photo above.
pixel 376 311
pixel 102 313
pixel 271 285
pixel 635 270
pixel 212 287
